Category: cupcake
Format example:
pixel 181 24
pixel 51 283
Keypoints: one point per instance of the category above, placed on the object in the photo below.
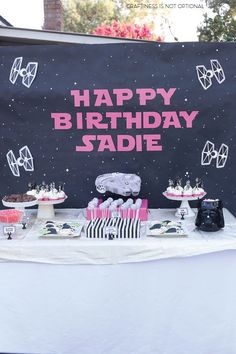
pixel 188 191
pixel 171 189
pixel 61 195
pixel 178 188
pixel 198 190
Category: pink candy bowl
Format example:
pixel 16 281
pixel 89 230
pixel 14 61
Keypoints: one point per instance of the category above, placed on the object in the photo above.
pixel 10 216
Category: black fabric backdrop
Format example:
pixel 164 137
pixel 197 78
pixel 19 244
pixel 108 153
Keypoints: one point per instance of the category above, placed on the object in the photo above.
pixel 25 116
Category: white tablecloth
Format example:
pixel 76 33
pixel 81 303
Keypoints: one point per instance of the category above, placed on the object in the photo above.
pixel 177 305
pixel 169 306
pixel 30 248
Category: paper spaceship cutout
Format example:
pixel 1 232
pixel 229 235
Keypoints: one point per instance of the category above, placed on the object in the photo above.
pixel 119 183
pixel 209 153
pixel 25 160
pixel 205 76
pixel 28 74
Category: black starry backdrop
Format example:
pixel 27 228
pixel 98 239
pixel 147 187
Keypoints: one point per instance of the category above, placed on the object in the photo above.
pixel 25 117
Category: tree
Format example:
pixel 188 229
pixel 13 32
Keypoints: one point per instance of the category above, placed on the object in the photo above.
pixel 85 15
pixel 222 26
pixel 126 30
pixel 138 10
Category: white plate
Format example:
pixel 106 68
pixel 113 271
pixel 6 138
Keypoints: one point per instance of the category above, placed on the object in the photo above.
pixel 78 226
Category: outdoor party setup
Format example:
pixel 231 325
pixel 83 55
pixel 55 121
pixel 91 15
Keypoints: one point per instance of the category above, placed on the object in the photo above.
pixel 117 162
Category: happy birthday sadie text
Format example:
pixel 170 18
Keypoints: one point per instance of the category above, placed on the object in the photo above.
pixel 123 120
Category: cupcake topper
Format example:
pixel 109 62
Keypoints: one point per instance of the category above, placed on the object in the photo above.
pixel 171 183
pixel 178 183
pixel 198 181
pixel 61 186
pixel 188 186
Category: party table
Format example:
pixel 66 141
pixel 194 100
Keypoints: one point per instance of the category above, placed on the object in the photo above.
pixel 122 296
pixel 28 246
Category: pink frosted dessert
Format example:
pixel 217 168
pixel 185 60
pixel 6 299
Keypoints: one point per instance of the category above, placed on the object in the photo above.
pixel 175 190
pixel 47 192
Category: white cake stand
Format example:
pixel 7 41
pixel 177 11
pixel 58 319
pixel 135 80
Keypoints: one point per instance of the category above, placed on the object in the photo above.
pixel 46 208
pixel 184 207
pixel 20 205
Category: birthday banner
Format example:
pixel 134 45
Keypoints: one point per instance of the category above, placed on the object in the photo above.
pixel 69 113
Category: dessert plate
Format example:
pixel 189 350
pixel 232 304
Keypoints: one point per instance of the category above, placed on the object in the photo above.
pixel 167 229
pixel 61 229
